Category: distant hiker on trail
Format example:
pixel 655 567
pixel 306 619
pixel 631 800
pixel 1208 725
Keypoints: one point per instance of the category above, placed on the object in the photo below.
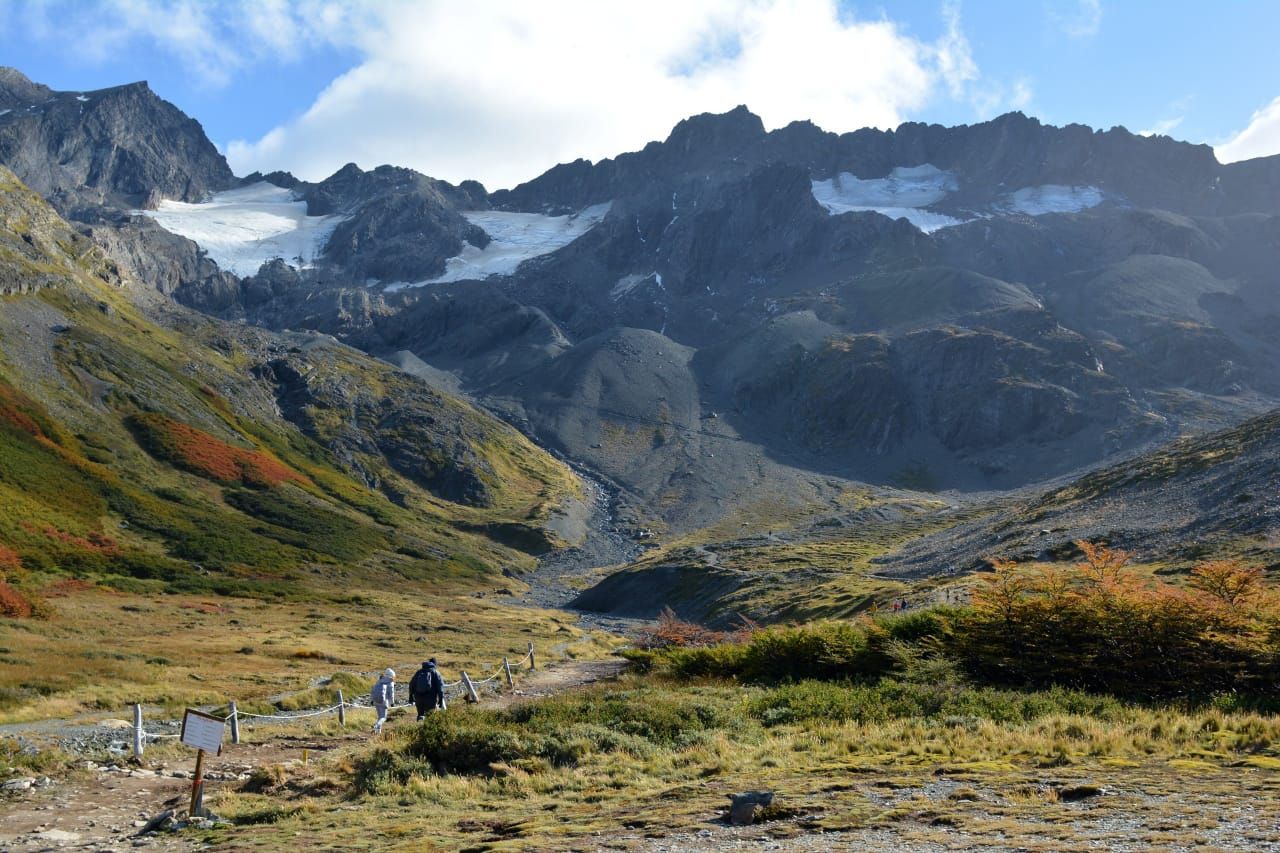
pixel 383 697
pixel 426 689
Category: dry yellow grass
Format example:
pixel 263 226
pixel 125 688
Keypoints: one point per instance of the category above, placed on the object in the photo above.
pixel 103 650
pixel 1048 784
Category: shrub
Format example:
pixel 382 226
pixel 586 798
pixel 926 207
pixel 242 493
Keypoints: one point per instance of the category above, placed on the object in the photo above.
pixel 673 632
pixel 296 521
pixel 1096 626
pixel 13 604
pixel 201 453
pixel 560 731
pixel 1100 627
pixel 891 699
pixel 825 650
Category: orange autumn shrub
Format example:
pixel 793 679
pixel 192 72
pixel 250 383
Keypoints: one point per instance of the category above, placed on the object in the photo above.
pixel 1099 626
pixel 673 632
pixel 17 410
pixel 13 604
pixel 201 453
pixel 10 562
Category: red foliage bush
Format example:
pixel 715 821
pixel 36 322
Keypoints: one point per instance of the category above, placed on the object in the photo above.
pixel 14 410
pixel 97 543
pixel 10 562
pixel 673 632
pixel 13 604
pixel 65 587
pixel 203 454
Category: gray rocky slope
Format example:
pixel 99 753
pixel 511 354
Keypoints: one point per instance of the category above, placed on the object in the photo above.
pixel 1201 497
pixel 721 337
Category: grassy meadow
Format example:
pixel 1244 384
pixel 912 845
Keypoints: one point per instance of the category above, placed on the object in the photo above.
pixel 916 728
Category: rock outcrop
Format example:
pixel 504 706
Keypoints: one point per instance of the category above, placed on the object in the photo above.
pixel 124 145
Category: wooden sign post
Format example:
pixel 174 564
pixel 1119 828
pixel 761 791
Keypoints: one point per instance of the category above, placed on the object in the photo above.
pixel 204 733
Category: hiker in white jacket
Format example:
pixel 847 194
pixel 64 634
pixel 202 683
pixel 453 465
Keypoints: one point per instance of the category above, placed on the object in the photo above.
pixel 383 697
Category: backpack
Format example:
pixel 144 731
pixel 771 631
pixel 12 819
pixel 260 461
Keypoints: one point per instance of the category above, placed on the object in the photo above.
pixel 378 695
pixel 420 685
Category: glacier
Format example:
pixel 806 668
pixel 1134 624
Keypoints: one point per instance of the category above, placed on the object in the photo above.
pixel 1050 198
pixel 513 239
pixel 242 229
pixel 903 194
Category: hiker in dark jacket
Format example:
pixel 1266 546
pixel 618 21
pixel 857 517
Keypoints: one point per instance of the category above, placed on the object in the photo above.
pixel 426 689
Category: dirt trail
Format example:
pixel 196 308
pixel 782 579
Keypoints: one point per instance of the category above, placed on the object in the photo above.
pixel 101 807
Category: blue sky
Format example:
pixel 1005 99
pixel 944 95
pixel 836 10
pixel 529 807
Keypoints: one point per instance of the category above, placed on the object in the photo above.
pixel 504 91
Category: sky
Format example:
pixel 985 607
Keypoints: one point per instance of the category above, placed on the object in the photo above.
pixel 501 90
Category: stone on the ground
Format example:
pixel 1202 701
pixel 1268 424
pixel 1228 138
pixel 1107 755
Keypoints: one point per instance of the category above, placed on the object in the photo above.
pixel 156 823
pixel 23 783
pixel 58 836
pixel 743 810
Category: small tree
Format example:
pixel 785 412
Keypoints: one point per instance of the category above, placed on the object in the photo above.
pixel 1102 565
pixel 1228 581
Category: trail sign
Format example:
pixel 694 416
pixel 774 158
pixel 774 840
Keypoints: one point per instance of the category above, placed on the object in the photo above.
pixel 203 731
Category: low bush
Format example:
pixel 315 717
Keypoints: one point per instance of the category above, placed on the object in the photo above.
pixel 207 456
pixel 890 700
pixel 558 732
pixel 1096 627
pixel 1101 627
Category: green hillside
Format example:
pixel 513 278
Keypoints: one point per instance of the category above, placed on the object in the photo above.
pixel 147 450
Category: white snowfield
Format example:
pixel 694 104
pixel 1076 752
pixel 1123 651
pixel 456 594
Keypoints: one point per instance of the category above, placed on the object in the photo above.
pixel 1050 198
pixel 244 228
pixel 904 194
pixel 908 191
pixel 513 239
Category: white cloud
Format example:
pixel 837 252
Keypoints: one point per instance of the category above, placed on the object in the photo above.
pixel 210 41
pixel 1163 127
pixel 1079 19
pixel 989 99
pixel 1260 139
pixel 502 90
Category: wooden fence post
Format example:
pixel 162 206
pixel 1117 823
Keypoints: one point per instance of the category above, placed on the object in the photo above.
pixel 137 732
pixel 532 665
pixel 342 711
pixel 234 719
pixel 197 787
pixel 506 667
pixel 472 696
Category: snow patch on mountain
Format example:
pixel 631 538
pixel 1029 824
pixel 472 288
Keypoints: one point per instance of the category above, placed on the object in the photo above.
pixel 513 239
pixel 904 193
pixel 242 229
pixel 1050 198
pixel 626 284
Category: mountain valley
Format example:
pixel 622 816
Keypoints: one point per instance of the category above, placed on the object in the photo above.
pixel 743 396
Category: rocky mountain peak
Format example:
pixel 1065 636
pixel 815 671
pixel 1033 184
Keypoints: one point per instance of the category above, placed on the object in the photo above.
pixel 17 90
pixel 123 145
pixel 715 132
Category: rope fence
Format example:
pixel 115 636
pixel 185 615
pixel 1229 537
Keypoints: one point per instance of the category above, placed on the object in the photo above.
pixel 464 686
